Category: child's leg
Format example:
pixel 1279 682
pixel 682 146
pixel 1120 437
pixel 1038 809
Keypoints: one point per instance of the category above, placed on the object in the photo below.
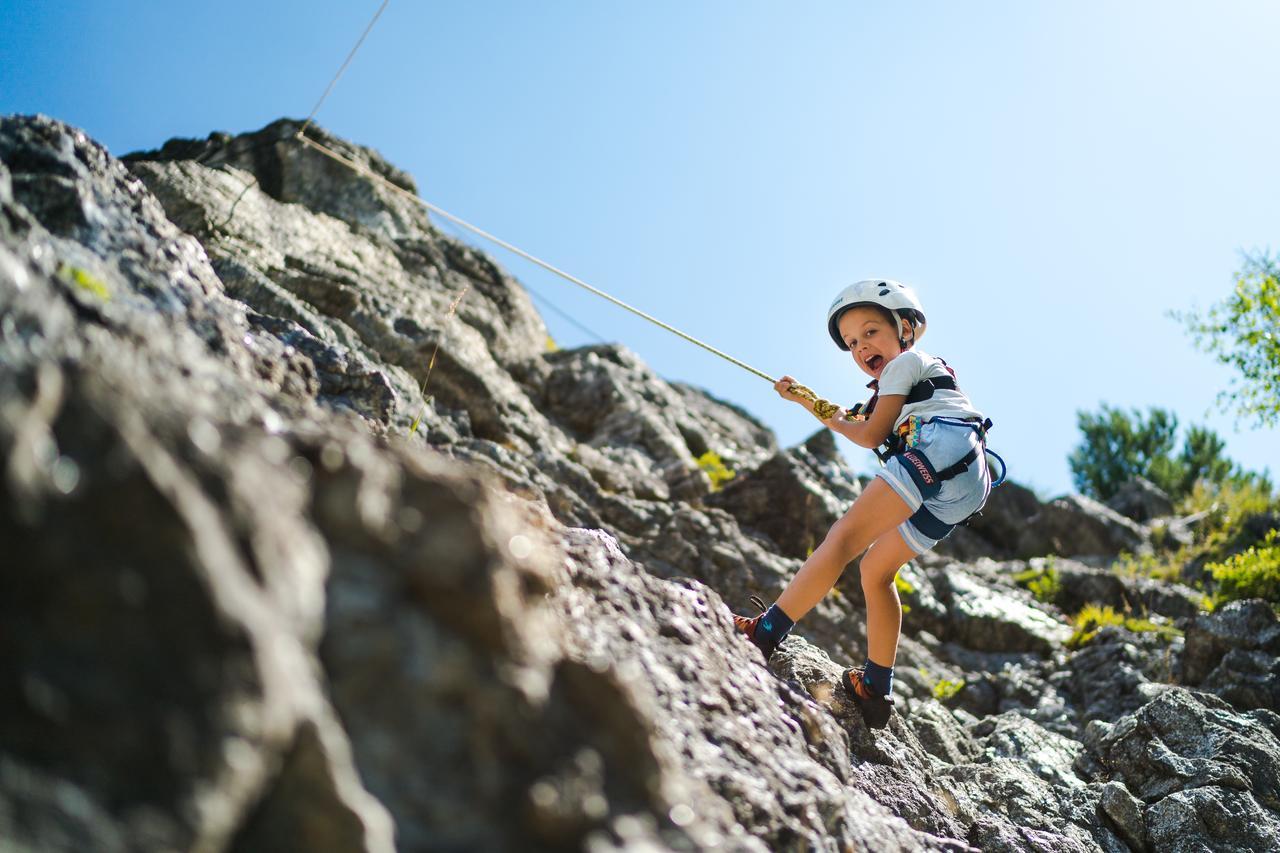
pixel 877 511
pixel 884 611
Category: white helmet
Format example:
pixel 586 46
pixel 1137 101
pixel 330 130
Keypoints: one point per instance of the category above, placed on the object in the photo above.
pixel 900 300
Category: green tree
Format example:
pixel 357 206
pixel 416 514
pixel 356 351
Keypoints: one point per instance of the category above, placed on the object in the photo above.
pixel 1243 332
pixel 1118 445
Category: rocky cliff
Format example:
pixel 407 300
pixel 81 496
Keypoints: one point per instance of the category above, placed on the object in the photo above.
pixel 243 606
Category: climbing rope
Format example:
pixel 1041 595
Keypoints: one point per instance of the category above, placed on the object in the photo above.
pixel 374 176
pixel 343 68
pixel 823 409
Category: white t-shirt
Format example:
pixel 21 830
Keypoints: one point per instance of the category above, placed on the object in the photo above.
pixel 903 372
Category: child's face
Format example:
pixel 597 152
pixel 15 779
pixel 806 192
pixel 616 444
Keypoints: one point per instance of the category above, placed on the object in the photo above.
pixel 871 339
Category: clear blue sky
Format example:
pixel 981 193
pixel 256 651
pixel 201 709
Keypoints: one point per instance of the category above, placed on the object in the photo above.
pixel 1052 177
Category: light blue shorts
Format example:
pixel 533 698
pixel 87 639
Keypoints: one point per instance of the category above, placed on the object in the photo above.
pixel 938 507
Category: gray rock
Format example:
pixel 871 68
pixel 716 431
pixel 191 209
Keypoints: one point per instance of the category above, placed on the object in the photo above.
pixel 942 735
pixel 1126 814
pixel 1018 525
pixel 1247 679
pixel 1210 776
pixel 1141 500
pixel 278 165
pixel 1248 625
pixel 1208 819
pixel 986 618
pixel 1046 754
pixel 1075 526
pixel 1004 518
pixel 1081 585
pixel 794 497
pixel 1116 674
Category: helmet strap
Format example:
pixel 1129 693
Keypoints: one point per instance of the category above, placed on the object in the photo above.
pixel 902 341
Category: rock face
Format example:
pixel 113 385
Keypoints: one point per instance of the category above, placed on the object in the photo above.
pixel 1196 769
pixel 1016 525
pixel 246 605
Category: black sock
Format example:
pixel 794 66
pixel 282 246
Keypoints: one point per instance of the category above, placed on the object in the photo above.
pixel 878 678
pixel 772 629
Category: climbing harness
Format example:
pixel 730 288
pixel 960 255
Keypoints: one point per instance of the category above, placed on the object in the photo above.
pixel 904 442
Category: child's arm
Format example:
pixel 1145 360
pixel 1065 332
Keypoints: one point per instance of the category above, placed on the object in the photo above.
pixel 874 430
pixel 870 432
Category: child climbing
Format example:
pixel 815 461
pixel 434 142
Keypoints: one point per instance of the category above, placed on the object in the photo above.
pixel 935 476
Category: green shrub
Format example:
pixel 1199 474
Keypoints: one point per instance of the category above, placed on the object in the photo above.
pixel 1160 565
pixel 1227 506
pixel 715 469
pixel 1092 618
pixel 1254 573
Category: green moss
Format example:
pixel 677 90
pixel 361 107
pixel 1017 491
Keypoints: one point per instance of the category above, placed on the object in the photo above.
pixel 1253 573
pixel 83 280
pixel 942 688
pixel 1042 581
pixel 715 469
pixel 945 688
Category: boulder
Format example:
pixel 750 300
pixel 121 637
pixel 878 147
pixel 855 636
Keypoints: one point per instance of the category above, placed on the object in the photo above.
pixel 1080 585
pixel 1246 625
pixel 1019 526
pixel 1141 500
pixel 1077 526
pixel 1003 519
pixel 985 617
pixel 1209 776
pixel 1247 679
pixel 1115 674
pixel 794 497
pixel 1047 754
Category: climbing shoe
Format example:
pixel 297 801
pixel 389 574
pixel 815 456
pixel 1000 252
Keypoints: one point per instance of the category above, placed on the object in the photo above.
pixel 875 708
pixel 766 629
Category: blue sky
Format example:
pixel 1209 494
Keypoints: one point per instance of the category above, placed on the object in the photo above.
pixel 1052 178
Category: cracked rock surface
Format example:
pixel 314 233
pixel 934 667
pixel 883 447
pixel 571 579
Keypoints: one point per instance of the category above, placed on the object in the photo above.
pixel 258 593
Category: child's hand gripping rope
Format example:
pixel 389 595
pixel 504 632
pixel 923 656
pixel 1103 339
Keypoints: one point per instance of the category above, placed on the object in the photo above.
pixel 789 389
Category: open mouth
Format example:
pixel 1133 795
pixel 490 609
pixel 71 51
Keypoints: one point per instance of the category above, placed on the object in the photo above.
pixel 875 362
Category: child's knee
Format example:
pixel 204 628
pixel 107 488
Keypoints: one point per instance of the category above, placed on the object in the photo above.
pixel 876 573
pixel 881 563
pixel 846 538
